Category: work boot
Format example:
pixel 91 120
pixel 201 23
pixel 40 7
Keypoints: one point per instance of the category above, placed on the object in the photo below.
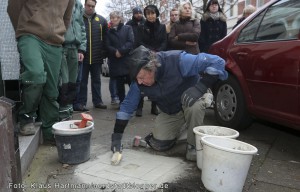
pixel 27 129
pixel 191 153
pixel 27 125
pixel 139 112
pixel 154 109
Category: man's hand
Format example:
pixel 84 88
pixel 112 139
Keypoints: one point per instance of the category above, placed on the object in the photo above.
pixel 191 95
pixel 118 54
pixel 190 43
pixel 80 57
pixel 116 142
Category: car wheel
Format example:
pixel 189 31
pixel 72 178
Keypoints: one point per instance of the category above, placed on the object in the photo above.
pixel 230 106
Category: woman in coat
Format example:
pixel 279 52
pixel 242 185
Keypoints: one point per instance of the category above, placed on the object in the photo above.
pixel 185 33
pixel 119 43
pixel 213 25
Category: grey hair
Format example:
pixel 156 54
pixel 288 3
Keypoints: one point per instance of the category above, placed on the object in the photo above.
pixel 180 9
pixel 117 14
pixel 153 63
pixel 249 9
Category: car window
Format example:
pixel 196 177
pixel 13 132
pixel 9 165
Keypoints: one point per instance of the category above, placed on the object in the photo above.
pixel 281 21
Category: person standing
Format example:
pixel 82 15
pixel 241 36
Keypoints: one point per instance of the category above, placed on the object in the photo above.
pixel 153 36
pixel 74 48
pixel 174 16
pixel 137 20
pixel 119 42
pixel 96 29
pixel 185 33
pixel 249 9
pixel 40 27
pixel 213 25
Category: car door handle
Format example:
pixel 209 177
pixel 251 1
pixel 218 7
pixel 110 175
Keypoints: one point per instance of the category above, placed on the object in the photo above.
pixel 242 54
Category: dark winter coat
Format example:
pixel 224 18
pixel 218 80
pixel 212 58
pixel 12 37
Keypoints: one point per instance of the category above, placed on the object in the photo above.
pixel 153 36
pixel 134 24
pixel 96 29
pixel 211 30
pixel 185 30
pixel 121 39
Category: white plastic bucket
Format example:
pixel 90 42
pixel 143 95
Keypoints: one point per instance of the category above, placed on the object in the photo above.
pixel 201 131
pixel 72 143
pixel 225 163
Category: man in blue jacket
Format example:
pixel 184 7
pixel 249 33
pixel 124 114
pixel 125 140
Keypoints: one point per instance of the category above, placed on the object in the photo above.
pixel 172 79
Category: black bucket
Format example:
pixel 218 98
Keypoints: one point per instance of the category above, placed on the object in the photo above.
pixel 72 143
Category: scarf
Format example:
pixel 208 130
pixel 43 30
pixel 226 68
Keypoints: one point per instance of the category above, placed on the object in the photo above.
pixel 215 16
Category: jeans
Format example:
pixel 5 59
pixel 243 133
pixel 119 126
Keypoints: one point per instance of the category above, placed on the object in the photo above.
pixel 95 70
pixel 113 88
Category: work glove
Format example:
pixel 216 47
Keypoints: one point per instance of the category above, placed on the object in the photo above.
pixel 192 94
pixel 116 137
pixel 116 144
pixel 208 98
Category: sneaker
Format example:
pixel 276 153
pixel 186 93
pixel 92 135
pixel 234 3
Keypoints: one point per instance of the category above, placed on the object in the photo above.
pixel 100 106
pixel 80 108
pixel 114 102
pixel 191 153
pixel 27 129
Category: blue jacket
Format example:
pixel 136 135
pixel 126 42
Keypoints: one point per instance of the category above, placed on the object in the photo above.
pixel 179 71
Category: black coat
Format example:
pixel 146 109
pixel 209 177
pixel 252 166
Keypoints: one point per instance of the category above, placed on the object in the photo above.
pixel 96 29
pixel 153 36
pixel 120 39
pixel 211 31
pixel 134 24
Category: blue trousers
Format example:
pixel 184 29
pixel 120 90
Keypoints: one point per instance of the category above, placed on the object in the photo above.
pixel 95 70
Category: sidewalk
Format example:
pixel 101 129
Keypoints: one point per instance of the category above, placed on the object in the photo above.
pixel 275 168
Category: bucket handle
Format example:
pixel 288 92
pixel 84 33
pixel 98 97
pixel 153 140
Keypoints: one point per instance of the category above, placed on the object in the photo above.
pixel 201 146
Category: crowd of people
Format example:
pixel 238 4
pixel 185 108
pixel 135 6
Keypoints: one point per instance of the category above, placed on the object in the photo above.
pixel 62 45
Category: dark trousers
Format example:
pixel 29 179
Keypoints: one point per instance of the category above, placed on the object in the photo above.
pixel 95 70
pixel 121 81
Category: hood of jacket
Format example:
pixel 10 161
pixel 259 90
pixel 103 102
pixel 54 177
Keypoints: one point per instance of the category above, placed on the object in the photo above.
pixel 206 16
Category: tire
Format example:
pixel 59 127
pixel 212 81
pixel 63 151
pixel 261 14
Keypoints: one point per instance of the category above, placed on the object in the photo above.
pixel 230 106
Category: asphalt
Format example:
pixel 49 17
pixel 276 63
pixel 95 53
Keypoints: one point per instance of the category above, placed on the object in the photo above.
pixel 276 166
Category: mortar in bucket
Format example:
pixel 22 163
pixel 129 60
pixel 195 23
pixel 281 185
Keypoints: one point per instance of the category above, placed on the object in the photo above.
pixel 201 131
pixel 73 143
pixel 225 163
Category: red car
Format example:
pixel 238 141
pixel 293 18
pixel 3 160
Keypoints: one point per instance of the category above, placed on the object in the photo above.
pixel 262 57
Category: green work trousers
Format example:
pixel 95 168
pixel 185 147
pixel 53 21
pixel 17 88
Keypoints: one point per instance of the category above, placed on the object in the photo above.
pixel 167 127
pixel 68 76
pixel 40 69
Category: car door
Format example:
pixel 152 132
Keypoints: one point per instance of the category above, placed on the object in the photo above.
pixel 268 54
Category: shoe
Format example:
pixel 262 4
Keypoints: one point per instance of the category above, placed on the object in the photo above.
pixel 27 125
pixel 154 110
pixel 100 106
pixel 27 129
pixel 139 113
pixel 191 154
pixel 114 102
pixel 80 108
